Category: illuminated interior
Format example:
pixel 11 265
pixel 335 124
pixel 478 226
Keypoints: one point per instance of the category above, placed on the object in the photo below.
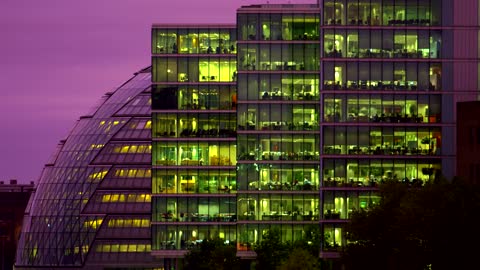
pixel 190 41
pixel 194 69
pixel 382 141
pixel 125 198
pixel 194 181
pixel 286 177
pixel 360 173
pixel 278 207
pixel 340 205
pixel 385 108
pixel 278 57
pixel 382 76
pixel 183 237
pixel 127 223
pixel 131 247
pixel 378 12
pixel 382 44
pixel 288 117
pixel 279 147
pixel 194 153
pixel 195 125
pixel 279 87
pixel 280 27
pixel 195 209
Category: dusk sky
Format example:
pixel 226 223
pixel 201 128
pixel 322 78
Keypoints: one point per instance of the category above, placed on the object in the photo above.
pixel 58 57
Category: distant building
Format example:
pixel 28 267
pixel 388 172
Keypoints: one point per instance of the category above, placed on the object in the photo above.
pixel 468 141
pixel 14 198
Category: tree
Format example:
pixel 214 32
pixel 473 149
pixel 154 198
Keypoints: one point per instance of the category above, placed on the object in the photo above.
pixel 310 242
pixel 212 254
pixel 300 259
pixel 429 227
pixel 273 254
pixel 271 251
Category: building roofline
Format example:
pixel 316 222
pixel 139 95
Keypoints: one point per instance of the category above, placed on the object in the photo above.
pixel 473 102
pixel 193 26
pixel 143 70
pixel 308 8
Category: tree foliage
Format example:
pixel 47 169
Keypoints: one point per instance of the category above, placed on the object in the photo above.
pixel 212 254
pixel 273 254
pixel 300 259
pixel 271 251
pixel 429 227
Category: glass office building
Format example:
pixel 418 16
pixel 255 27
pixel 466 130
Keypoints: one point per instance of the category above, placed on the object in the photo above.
pixel 92 204
pixel 194 151
pixel 382 98
pixel 278 136
pixel 287 120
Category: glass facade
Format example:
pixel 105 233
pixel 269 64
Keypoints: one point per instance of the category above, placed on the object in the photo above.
pixel 382 101
pixel 382 12
pixel 278 118
pixel 194 150
pixel 93 200
pixel 288 120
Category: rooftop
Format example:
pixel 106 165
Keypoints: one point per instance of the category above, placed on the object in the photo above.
pixel 273 7
pixel 14 186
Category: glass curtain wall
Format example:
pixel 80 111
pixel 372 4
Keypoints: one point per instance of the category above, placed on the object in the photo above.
pixel 381 95
pixel 278 128
pixel 194 137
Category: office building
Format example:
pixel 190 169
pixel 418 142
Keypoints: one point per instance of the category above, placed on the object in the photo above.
pixel 468 141
pixel 92 204
pixel 14 198
pixel 287 120
pixel 278 121
pixel 194 151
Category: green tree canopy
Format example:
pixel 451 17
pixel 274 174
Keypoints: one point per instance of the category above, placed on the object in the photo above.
pixel 300 259
pixel 430 227
pixel 273 254
pixel 271 251
pixel 212 254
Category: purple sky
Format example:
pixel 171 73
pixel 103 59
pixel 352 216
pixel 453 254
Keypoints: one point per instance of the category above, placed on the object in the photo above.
pixel 58 57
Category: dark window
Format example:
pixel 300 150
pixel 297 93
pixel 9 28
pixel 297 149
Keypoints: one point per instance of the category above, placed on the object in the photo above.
pixel 164 98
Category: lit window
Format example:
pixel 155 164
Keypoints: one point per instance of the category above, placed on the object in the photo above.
pixel 140 174
pixel 124 149
pixel 132 172
pixel 106 198
pixel 94 224
pixel 136 223
pixel 141 148
pixel 96 146
pixel 133 149
pixel 115 247
pixel 145 198
pixel 148 125
pixel 96 177
pixel 141 248
pixel 119 172
pixel 132 248
pixel 131 198
pixel 145 223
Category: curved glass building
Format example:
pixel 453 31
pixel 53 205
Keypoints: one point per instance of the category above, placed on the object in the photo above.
pixel 93 199
pixel 287 120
